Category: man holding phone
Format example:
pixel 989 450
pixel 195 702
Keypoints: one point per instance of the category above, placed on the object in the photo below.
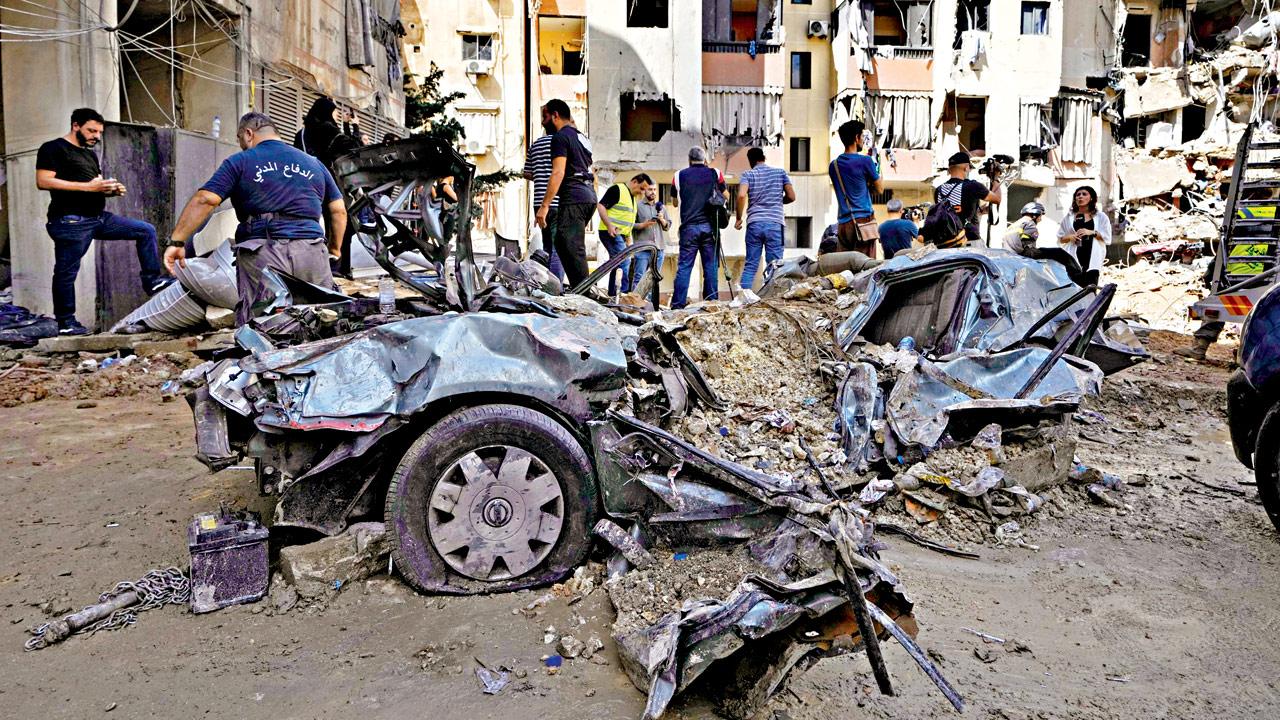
pixel 68 168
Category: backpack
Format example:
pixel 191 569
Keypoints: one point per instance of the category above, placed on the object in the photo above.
pixel 943 222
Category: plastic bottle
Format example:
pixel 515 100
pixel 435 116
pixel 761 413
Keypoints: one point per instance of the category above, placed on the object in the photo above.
pixel 386 296
pixel 217 126
pixel 907 343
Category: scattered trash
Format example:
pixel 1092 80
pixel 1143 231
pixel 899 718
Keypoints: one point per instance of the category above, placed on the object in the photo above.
pixel 492 680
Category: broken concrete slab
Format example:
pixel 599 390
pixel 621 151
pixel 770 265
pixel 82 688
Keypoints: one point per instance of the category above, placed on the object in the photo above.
pixel 104 342
pixel 1144 175
pixel 1154 91
pixel 194 343
pixel 321 568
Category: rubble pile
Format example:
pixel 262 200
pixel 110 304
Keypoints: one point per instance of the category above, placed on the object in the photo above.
pixel 28 376
pixel 1158 294
pixel 1154 224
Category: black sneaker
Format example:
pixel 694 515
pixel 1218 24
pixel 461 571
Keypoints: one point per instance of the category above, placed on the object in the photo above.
pixel 72 327
pixel 158 285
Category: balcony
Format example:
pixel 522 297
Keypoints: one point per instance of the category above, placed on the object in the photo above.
pixel 899 68
pixel 729 64
pixel 757 47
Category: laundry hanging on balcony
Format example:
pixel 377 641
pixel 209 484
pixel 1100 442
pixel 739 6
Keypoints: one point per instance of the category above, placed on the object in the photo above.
pixel 745 115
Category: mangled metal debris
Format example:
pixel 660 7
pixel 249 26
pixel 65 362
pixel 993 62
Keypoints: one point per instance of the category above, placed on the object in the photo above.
pixel 495 423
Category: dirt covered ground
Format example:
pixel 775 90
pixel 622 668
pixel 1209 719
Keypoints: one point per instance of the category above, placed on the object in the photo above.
pixel 1163 609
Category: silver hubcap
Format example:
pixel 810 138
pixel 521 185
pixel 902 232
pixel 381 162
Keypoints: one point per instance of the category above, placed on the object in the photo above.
pixel 496 513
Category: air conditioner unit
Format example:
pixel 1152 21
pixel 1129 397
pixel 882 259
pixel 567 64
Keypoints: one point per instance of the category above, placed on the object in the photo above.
pixel 819 28
pixel 479 67
pixel 475 147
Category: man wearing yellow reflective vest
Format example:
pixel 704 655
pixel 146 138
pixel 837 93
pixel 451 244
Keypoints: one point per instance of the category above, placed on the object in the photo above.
pixel 617 209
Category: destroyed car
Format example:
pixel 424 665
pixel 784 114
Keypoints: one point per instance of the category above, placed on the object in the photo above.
pixel 461 418
pixel 978 299
pixel 1253 400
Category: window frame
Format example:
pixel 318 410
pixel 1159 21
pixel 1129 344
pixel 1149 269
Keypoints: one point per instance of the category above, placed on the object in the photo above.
pixel 794 152
pixel 478 45
pixel 805 70
pixel 664 22
pixel 1033 5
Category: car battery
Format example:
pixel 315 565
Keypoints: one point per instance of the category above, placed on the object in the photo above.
pixel 228 559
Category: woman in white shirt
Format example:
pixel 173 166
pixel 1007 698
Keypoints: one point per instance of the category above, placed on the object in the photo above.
pixel 1086 233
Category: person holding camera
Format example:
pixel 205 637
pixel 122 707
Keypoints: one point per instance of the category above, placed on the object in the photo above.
pixel 696 191
pixel 1086 233
pixel 897 233
pixel 965 197
pixel 68 168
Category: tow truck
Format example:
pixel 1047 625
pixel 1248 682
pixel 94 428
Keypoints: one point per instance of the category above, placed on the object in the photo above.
pixel 1245 263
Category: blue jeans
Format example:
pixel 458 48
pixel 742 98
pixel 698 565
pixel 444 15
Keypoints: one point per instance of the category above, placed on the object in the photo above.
pixel 72 235
pixel 696 240
pixel 639 266
pixel 616 245
pixel 761 235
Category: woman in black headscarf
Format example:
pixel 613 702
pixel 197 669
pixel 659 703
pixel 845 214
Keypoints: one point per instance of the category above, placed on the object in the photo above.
pixel 321 136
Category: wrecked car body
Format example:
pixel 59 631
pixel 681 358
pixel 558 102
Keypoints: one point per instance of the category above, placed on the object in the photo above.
pixel 490 422
pixel 965 299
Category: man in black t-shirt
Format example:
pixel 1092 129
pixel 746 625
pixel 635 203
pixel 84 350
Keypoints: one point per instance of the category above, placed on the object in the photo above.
pixel 68 168
pixel 573 184
pixel 968 195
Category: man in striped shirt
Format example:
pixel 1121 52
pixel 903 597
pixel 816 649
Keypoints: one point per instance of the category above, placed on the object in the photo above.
pixel 762 191
pixel 537 168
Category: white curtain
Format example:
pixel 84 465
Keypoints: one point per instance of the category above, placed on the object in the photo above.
pixel 902 120
pixel 1077 128
pixel 743 113
pixel 480 126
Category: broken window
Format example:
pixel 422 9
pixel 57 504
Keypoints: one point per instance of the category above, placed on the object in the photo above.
pixel 477 47
pixel 971 116
pixel 902 23
pixel 799 233
pixel 562 45
pixel 801 66
pixel 647 13
pixel 799 154
pixel 1137 40
pixel 970 15
pixel 1035 17
pixel 647 119
pixel 901 120
pixel 1035 128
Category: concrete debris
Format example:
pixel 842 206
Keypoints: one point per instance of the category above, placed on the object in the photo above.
pixel 1144 175
pixel 321 568
pixel 1149 91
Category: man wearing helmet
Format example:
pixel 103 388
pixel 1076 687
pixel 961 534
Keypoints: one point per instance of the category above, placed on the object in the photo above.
pixel 1023 233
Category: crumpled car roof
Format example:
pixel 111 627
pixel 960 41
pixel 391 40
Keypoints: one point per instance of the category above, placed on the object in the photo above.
pixel 357 381
pixel 1018 290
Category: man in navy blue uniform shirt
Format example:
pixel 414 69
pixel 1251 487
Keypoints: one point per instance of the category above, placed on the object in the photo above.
pixel 279 193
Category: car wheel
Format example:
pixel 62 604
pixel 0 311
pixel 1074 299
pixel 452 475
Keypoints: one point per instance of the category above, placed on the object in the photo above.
pixel 491 498
pixel 1266 464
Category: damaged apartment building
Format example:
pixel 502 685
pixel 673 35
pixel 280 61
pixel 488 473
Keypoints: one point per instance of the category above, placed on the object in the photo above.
pixel 648 79
pixel 171 78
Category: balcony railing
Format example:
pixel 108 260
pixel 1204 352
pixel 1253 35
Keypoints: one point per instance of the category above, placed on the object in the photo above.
pixel 904 53
pixel 762 47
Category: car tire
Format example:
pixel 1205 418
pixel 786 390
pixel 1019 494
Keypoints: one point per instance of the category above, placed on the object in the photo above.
pixel 491 498
pixel 1266 464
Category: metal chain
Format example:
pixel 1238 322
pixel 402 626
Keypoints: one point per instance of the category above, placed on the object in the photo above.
pixel 155 589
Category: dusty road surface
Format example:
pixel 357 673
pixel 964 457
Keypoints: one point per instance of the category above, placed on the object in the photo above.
pixel 1165 610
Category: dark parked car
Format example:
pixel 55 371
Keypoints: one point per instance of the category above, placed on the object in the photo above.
pixel 1253 400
